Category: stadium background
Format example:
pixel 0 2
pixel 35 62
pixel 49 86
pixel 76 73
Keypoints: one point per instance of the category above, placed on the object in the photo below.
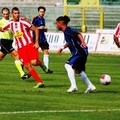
pixel 18 99
pixel 87 16
pixel 55 8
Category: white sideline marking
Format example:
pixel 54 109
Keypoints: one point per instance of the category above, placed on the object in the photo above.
pixel 58 111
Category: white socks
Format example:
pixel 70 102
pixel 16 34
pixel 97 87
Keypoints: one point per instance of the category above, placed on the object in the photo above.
pixel 71 75
pixel 85 78
pixel 46 60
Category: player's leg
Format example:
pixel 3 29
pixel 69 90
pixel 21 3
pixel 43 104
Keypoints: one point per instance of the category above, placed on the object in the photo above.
pixel 79 66
pixel 18 65
pixel 2 55
pixel 6 47
pixel 90 86
pixel 71 74
pixel 27 62
pixel 3 52
pixel 35 61
pixel 34 74
pixel 46 57
pixel 45 48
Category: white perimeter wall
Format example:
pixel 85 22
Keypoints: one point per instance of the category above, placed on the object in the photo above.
pixel 99 42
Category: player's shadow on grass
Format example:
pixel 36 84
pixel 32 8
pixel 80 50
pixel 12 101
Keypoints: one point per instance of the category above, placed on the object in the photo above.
pixel 55 86
pixel 105 91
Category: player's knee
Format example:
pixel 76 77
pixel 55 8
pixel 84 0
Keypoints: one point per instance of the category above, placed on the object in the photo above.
pixel 46 51
pixel 27 66
pixel 67 66
pixel 1 58
pixel 15 56
pixel 77 71
pixel 34 62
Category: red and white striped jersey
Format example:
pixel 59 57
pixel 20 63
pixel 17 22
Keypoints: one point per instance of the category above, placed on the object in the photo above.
pixel 117 30
pixel 21 32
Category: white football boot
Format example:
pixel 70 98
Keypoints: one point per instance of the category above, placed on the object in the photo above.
pixel 72 89
pixel 90 89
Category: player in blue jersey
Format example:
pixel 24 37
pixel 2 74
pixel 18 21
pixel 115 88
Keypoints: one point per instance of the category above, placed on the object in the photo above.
pixel 79 51
pixel 39 22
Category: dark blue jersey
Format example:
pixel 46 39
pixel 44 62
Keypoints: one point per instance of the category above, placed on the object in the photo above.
pixel 37 22
pixel 74 43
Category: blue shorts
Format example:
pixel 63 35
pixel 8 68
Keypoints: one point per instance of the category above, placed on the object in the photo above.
pixel 44 45
pixel 78 62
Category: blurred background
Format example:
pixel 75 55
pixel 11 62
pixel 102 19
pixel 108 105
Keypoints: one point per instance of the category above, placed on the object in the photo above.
pixel 86 15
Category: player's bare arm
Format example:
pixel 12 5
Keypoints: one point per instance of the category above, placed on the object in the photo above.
pixel 35 29
pixel 61 49
pixel 82 40
pixel 43 28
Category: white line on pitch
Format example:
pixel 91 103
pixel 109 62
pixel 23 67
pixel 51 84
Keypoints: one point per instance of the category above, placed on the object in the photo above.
pixel 59 111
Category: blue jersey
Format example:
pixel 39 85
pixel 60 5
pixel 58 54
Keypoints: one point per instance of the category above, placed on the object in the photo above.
pixel 37 22
pixel 74 43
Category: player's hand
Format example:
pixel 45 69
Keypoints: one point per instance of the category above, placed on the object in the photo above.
pixel 59 51
pixel 36 45
pixel 45 29
pixel 83 44
pixel 33 17
pixel 41 27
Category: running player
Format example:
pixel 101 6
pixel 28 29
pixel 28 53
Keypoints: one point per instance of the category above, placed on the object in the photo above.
pixel 6 40
pixel 39 22
pixel 27 50
pixel 79 51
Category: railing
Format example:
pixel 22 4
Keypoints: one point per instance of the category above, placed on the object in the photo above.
pixel 91 5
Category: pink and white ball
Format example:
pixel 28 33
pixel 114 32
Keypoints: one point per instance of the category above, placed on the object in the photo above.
pixel 105 79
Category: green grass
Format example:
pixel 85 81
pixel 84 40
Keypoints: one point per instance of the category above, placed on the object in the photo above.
pixel 53 102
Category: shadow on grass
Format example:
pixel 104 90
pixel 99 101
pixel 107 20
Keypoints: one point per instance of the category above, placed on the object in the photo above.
pixel 56 86
pixel 105 91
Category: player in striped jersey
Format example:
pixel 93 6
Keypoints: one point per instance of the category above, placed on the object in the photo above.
pixel 79 51
pixel 117 35
pixel 28 51
pixel 6 40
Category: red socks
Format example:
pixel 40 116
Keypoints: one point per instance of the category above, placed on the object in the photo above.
pixel 35 76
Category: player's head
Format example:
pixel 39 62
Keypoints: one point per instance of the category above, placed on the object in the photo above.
pixel 5 13
pixel 41 11
pixel 62 22
pixel 15 13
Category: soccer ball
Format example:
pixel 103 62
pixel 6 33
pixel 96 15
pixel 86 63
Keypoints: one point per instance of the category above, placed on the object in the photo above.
pixel 105 79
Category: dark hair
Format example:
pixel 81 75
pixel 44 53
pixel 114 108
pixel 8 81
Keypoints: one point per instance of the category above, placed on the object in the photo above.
pixel 5 8
pixel 41 7
pixel 64 18
pixel 15 8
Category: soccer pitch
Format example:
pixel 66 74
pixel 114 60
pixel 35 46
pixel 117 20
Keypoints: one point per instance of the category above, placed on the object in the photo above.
pixel 19 101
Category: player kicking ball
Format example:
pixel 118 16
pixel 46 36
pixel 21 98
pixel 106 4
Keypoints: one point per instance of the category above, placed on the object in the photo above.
pixel 79 51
